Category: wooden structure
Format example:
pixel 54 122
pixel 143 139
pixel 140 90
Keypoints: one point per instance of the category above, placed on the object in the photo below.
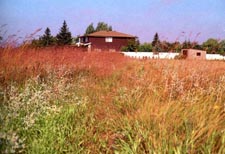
pixel 106 40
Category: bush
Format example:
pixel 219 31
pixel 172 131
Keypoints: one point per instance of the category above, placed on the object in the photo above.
pixel 131 46
pixel 146 47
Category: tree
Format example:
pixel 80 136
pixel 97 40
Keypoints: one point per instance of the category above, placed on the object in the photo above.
pixel 176 46
pixel 211 45
pixel 90 29
pixel 146 47
pixel 222 47
pixel 47 39
pixel 36 43
pixel 103 26
pixel 186 44
pixel 165 46
pixel 131 46
pixel 155 41
pixel 64 37
pixel 197 46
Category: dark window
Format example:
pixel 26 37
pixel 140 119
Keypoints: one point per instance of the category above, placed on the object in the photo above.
pixel 185 52
pixel 198 53
pixel 83 39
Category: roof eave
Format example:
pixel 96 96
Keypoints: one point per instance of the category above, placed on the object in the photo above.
pixel 109 36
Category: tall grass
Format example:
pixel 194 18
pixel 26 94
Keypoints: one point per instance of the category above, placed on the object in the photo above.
pixel 67 101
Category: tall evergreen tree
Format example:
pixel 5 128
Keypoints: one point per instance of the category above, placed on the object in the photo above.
pixel 64 37
pixel 90 29
pixel 156 43
pixel 103 26
pixel 155 40
pixel 47 39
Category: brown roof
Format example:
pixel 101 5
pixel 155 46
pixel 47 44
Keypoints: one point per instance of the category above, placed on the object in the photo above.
pixel 109 34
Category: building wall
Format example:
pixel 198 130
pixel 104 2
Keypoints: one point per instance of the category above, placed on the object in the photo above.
pixel 194 54
pixel 99 43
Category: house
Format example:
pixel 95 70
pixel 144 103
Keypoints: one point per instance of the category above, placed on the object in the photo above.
pixel 105 40
pixel 193 54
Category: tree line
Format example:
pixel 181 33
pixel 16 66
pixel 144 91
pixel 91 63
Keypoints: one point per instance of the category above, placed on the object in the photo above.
pixel 64 36
pixel 211 45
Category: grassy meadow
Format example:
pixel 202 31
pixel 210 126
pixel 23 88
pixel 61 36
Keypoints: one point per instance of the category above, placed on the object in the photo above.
pixel 61 100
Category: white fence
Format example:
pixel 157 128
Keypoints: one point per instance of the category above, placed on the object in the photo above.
pixel 166 55
pixel 150 55
pixel 215 57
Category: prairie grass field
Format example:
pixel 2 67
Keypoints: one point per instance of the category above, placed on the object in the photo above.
pixel 62 100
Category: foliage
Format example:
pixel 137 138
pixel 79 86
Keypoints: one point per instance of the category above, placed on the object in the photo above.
pixel 156 40
pixel 222 47
pixel 176 46
pixel 64 36
pixel 35 43
pixel 103 26
pixel 132 46
pixel 197 46
pixel 90 29
pixel 47 39
pixel 187 44
pixel 146 47
pixel 211 45
pixel 76 39
pixel 156 43
pixel 165 46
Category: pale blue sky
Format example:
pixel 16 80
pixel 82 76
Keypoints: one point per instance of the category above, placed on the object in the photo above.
pixel 142 18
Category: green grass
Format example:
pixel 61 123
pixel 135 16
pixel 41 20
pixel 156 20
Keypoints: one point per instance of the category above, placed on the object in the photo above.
pixel 60 133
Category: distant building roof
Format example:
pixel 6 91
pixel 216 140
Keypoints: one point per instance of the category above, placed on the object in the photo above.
pixel 110 34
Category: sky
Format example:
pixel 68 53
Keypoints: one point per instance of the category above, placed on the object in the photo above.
pixel 194 20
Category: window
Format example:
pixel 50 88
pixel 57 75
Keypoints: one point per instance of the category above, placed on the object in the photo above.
pixel 86 39
pixel 198 54
pixel 108 39
pixel 185 52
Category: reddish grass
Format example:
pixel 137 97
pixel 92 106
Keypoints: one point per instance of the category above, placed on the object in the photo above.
pixel 155 92
pixel 19 64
